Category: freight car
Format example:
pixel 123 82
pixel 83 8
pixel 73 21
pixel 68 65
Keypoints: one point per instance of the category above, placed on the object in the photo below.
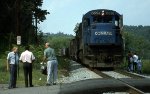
pixel 99 41
pixel 73 49
pixel 64 52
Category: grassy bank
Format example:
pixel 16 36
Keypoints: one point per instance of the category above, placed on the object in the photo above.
pixel 146 66
pixel 38 78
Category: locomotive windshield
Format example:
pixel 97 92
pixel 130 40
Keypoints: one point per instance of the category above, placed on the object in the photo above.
pixel 102 19
pixel 106 19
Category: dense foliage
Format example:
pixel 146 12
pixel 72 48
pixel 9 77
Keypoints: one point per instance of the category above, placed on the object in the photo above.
pixel 20 18
pixel 59 40
pixel 137 40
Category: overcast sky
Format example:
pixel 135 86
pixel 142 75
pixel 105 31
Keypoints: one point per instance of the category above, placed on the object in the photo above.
pixel 64 14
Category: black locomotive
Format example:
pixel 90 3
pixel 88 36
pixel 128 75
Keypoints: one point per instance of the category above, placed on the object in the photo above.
pixel 98 41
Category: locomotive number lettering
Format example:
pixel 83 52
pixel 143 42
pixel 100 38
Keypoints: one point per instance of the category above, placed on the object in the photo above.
pixel 103 33
pixel 100 13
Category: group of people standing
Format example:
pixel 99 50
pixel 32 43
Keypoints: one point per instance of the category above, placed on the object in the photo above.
pixel 27 58
pixel 134 62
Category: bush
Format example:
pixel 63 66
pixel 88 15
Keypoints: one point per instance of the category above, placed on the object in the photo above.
pixel 146 66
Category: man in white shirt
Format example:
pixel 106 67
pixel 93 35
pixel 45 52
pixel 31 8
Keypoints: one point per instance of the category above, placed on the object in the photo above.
pixel 27 58
pixel 135 60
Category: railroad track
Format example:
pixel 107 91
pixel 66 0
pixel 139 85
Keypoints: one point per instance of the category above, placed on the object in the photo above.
pixel 107 83
pixel 135 84
pixel 129 74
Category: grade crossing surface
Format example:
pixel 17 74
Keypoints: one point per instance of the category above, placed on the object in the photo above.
pixel 91 86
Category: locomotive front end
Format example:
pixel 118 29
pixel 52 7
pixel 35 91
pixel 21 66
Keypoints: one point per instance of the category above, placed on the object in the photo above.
pixel 102 28
pixel 102 38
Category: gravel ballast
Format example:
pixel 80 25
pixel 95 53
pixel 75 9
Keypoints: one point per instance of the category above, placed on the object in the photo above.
pixel 77 73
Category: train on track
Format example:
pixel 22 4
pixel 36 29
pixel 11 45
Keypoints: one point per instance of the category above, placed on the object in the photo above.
pixel 99 41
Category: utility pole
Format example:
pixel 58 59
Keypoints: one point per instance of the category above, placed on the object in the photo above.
pixel 36 22
pixel 36 30
pixel 18 33
pixel 17 9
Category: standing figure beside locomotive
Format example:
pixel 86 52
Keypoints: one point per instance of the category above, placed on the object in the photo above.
pixel 99 41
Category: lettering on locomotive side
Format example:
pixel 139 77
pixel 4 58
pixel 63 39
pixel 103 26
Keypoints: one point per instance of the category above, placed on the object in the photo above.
pixel 103 33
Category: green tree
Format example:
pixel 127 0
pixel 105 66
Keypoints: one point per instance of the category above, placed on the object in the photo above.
pixel 76 27
pixel 59 40
pixel 20 17
pixel 137 43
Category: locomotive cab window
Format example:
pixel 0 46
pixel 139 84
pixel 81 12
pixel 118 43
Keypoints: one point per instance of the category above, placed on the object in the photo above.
pixel 102 19
pixel 116 21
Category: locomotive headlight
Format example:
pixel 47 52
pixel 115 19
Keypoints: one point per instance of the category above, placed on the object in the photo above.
pixel 103 13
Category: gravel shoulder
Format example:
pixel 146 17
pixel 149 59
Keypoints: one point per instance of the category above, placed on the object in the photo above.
pixel 78 73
